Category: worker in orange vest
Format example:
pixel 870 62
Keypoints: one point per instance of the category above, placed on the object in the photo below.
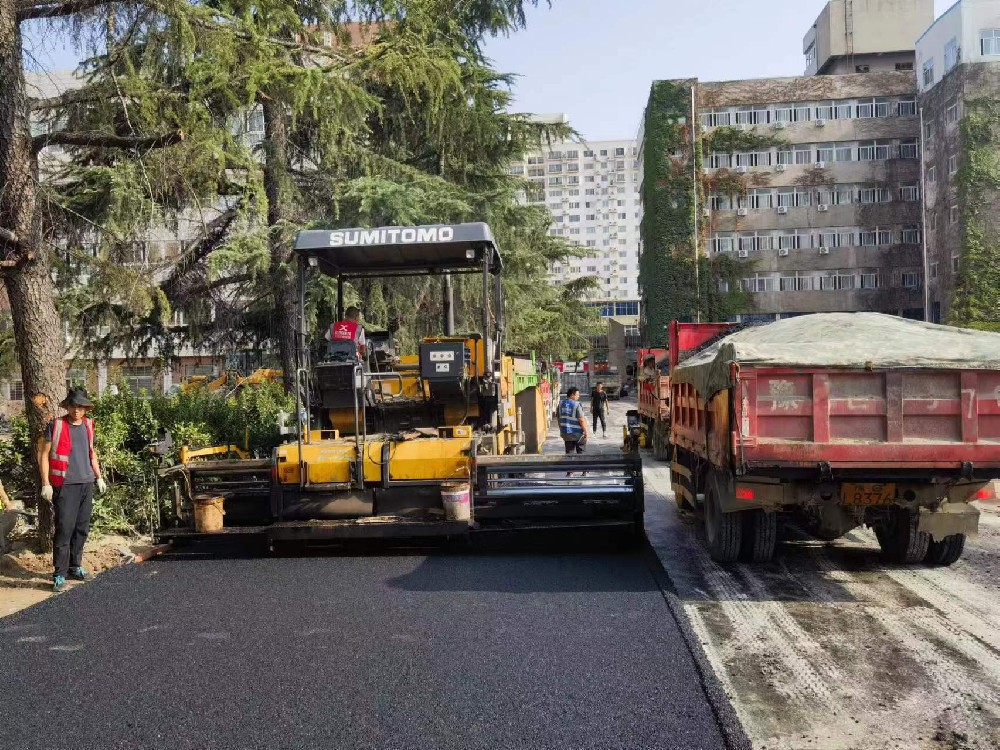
pixel 69 468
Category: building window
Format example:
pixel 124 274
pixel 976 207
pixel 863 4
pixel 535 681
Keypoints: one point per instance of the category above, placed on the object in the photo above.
pixel 932 221
pixel 932 173
pixel 929 72
pixel 909 193
pixel 990 41
pixel 952 164
pixel 604 152
pixel 911 236
pixel 930 129
pixel 911 280
pixel 862 69
pixel 954 264
pixel 517 169
pixel 934 270
pixel 15 390
pixel 619 152
pixel 869 108
pixel 951 55
pixel 951 113
pixel 907 108
pixel 138 378
pixel 869 281
pixel 909 149
pixel 953 214
pixel 903 66
pixel 811 55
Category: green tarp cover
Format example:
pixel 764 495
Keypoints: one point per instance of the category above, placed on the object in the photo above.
pixel 842 340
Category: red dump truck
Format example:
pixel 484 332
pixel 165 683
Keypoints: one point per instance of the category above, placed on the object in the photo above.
pixel 839 420
pixel 654 379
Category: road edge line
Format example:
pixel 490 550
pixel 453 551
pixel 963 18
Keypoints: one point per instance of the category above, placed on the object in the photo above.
pixel 733 733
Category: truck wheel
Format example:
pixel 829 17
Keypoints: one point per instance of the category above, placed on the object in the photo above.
pixel 947 551
pixel 901 542
pixel 760 536
pixel 724 531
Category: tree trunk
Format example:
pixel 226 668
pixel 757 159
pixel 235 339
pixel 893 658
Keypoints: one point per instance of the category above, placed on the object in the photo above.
pixel 30 291
pixel 277 184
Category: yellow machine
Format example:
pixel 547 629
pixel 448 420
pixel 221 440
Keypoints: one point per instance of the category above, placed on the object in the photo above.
pixel 384 444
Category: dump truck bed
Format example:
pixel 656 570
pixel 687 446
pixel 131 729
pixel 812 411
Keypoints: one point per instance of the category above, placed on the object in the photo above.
pixel 842 390
pixel 928 419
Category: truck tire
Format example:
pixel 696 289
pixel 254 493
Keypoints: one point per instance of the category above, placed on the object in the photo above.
pixel 947 551
pixel 760 536
pixel 900 540
pixel 723 531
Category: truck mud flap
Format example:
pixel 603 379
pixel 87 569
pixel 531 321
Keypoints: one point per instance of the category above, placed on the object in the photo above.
pixel 948 519
pixel 559 488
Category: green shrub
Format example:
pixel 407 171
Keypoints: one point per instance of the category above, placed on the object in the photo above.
pixel 128 424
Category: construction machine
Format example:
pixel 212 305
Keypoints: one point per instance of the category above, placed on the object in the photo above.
pixel 382 438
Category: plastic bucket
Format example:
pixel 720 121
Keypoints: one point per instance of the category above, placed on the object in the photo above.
pixel 456 498
pixel 208 513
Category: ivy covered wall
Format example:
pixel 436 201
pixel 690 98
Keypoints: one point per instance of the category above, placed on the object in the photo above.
pixel 673 284
pixel 666 266
pixel 976 302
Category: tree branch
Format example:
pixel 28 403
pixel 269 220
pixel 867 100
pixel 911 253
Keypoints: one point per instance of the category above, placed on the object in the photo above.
pixel 218 228
pixel 30 9
pixel 66 138
pixel 227 281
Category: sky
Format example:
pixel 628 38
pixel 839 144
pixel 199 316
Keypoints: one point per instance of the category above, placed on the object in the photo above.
pixel 594 60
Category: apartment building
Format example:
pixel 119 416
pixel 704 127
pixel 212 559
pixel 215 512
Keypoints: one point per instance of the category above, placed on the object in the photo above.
pixel 958 66
pixel 865 36
pixel 592 191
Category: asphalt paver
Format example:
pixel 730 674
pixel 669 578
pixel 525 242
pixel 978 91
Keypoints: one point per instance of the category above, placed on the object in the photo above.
pixel 575 650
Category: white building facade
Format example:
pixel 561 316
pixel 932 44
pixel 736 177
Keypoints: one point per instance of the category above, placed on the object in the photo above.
pixel 592 191
pixel 968 32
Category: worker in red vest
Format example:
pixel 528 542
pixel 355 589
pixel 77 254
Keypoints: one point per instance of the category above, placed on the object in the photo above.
pixel 349 329
pixel 69 468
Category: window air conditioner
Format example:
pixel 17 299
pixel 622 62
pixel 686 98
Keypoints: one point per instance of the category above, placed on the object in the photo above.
pixel 822 207
pixel 820 122
pixel 824 251
pixel 741 170
pixel 743 253
pixel 782 251
pixel 706 212
pixel 782 210
pixel 741 212
pixel 780 168
pixel 821 165
pixel 780 125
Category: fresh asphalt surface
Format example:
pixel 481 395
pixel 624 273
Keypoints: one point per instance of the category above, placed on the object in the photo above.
pixel 564 648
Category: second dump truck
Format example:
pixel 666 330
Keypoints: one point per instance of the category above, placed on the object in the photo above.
pixel 839 420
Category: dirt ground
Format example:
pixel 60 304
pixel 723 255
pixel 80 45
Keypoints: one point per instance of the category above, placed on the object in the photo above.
pixel 26 576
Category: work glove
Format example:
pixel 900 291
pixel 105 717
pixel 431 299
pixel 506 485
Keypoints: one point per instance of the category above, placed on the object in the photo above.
pixel 102 486
pixel 47 493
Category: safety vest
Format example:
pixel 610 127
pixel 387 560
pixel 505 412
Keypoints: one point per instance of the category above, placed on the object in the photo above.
pixel 62 444
pixel 569 423
pixel 344 330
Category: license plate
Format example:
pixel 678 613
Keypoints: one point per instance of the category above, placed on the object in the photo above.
pixel 867 494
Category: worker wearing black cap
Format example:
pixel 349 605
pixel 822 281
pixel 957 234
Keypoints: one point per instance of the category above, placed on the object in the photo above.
pixel 68 466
